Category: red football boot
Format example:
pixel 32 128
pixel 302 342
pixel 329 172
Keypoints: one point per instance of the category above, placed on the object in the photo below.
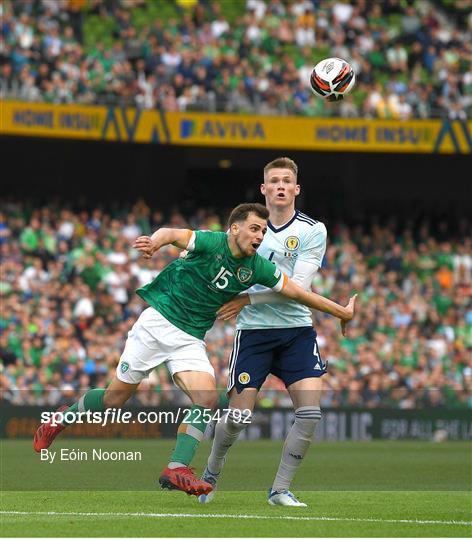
pixel 46 433
pixel 184 479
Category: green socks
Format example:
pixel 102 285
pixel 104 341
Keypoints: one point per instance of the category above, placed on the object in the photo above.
pixel 90 401
pixel 190 434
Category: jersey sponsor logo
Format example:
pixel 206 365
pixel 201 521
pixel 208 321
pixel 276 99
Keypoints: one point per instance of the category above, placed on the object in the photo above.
pixel 244 377
pixel 124 367
pixel 243 274
pixel 292 243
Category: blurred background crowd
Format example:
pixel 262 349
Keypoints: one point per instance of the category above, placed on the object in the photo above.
pixel 68 301
pixel 412 58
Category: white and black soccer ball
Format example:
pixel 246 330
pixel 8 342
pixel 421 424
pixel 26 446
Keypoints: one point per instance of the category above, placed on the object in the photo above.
pixel 332 78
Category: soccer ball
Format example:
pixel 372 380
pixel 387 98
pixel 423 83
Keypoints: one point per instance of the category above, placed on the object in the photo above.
pixel 332 78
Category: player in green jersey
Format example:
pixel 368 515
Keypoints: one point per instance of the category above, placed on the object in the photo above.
pixel 184 300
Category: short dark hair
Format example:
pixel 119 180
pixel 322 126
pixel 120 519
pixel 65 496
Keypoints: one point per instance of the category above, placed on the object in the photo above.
pixel 242 211
pixel 282 163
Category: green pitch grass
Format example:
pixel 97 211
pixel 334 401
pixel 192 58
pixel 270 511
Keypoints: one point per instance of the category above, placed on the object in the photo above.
pixel 377 489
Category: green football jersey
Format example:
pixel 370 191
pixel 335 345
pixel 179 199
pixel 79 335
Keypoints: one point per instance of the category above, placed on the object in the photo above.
pixel 189 291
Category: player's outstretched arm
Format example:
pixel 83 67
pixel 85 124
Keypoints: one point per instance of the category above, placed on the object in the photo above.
pixel 316 301
pixel 148 245
pixel 293 291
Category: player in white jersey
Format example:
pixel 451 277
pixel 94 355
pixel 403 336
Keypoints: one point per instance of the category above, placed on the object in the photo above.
pixel 276 336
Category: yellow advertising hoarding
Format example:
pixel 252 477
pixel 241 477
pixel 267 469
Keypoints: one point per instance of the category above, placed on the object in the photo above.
pixel 225 130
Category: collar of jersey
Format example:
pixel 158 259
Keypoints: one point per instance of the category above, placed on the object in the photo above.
pixel 279 229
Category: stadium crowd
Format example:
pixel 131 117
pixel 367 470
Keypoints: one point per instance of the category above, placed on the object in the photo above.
pixel 412 58
pixel 67 292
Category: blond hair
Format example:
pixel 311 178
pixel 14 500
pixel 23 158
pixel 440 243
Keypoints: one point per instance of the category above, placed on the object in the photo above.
pixel 282 163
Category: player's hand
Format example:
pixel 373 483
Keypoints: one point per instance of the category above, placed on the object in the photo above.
pixel 233 307
pixel 350 309
pixel 145 246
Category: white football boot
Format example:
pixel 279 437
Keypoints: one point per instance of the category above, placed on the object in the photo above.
pixel 212 479
pixel 282 498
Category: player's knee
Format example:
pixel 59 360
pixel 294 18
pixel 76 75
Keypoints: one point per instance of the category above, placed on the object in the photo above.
pixel 207 399
pixel 238 419
pixel 306 419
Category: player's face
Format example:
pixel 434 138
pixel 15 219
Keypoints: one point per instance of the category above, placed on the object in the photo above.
pixel 248 235
pixel 280 188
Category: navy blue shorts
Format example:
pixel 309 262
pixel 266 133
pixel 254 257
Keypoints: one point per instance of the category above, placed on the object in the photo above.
pixel 289 353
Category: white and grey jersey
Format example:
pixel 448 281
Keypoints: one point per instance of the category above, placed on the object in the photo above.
pixel 297 248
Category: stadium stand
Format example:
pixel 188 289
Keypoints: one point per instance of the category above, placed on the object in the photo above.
pixel 68 280
pixel 412 59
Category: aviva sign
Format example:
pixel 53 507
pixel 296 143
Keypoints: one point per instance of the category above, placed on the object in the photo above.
pixel 218 128
pixel 225 130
